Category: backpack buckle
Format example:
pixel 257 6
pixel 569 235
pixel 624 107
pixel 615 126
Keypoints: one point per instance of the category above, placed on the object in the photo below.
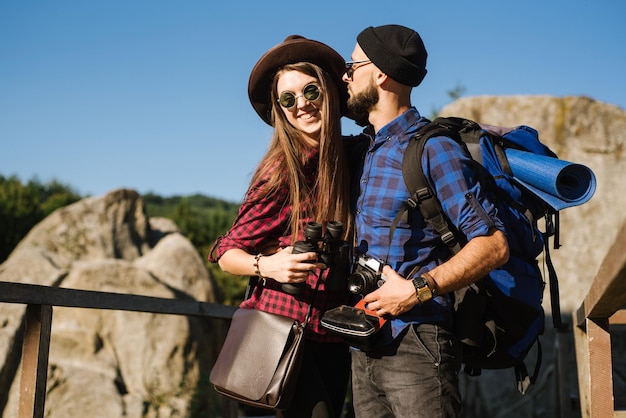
pixel 448 238
pixel 419 196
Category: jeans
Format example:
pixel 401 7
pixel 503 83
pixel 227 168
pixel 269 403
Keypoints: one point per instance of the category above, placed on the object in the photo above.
pixel 415 376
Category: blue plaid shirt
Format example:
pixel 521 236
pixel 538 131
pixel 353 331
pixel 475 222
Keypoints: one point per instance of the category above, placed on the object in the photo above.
pixel 382 193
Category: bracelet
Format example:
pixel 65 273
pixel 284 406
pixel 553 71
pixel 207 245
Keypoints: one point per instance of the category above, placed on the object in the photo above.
pixel 431 283
pixel 256 266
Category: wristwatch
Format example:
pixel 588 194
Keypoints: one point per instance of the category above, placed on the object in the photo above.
pixel 423 292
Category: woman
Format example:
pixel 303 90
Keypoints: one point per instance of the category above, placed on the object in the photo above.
pixel 296 87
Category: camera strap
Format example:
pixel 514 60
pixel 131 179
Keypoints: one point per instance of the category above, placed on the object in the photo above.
pixel 392 229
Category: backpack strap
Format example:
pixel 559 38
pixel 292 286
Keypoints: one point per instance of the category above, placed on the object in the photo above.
pixel 422 195
pixel 552 226
pixel 521 373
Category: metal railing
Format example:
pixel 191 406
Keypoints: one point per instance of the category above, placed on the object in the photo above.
pixel 40 301
pixel 601 310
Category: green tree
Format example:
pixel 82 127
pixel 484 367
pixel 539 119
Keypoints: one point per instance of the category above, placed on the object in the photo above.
pixel 200 218
pixel 23 206
pixel 457 92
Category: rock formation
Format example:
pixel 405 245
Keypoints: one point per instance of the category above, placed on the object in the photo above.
pixel 109 363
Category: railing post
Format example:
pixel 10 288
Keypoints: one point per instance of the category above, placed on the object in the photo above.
pixel 593 352
pixel 35 352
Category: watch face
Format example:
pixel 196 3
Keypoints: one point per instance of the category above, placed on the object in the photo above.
pixel 425 294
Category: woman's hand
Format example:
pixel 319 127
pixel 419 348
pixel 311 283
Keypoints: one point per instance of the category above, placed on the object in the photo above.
pixel 282 266
pixel 285 267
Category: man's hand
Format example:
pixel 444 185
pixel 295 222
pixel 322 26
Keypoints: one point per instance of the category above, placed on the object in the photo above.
pixel 394 297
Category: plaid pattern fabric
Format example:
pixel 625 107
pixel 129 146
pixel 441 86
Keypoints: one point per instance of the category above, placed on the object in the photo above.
pixel 382 192
pixel 261 226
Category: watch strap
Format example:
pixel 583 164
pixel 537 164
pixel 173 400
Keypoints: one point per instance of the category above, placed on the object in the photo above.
pixel 422 289
pixel 431 283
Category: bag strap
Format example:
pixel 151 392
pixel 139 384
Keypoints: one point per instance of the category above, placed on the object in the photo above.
pixel 316 292
pixel 253 282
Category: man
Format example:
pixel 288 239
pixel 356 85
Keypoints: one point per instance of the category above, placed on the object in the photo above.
pixel 414 372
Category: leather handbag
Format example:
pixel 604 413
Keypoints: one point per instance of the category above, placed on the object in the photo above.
pixel 260 360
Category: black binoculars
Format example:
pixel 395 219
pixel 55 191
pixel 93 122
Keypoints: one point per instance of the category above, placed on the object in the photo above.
pixel 331 250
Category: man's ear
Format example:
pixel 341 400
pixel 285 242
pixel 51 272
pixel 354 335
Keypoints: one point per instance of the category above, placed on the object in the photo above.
pixel 381 78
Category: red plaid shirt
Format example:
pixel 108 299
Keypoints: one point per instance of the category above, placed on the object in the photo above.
pixel 263 224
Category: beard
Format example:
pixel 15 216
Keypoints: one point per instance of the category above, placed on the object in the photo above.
pixel 359 105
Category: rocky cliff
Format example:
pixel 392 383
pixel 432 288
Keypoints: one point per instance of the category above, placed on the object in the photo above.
pixel 111 363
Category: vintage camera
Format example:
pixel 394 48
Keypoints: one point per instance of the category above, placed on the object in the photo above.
pixel 331 250
pixel 367 277
pixel 357 324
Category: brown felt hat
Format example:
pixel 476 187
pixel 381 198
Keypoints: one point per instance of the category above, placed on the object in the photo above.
pixel 293 49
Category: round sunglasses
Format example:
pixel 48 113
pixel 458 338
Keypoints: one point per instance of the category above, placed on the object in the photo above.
pixel 311 92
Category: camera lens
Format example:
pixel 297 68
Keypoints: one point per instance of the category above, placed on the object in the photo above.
pixel 359 283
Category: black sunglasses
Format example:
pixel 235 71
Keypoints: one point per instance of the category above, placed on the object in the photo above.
pixel 350 68
pixel 287 99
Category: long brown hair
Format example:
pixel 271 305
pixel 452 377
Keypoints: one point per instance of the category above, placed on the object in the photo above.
pixel 288 150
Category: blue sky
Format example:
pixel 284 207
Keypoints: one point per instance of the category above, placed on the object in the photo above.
pixel 152 95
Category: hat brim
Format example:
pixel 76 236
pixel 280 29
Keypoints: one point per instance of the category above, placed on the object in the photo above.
pixel 292 50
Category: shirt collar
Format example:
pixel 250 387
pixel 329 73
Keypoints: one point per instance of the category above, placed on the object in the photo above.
pixel 400 125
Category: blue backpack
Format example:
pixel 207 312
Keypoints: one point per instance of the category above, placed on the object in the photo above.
pixel 500 317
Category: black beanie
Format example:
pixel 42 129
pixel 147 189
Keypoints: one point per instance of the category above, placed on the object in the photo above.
pixel 398 51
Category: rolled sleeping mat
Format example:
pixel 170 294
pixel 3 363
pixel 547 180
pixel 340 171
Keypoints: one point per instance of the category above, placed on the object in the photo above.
pixel 560 183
